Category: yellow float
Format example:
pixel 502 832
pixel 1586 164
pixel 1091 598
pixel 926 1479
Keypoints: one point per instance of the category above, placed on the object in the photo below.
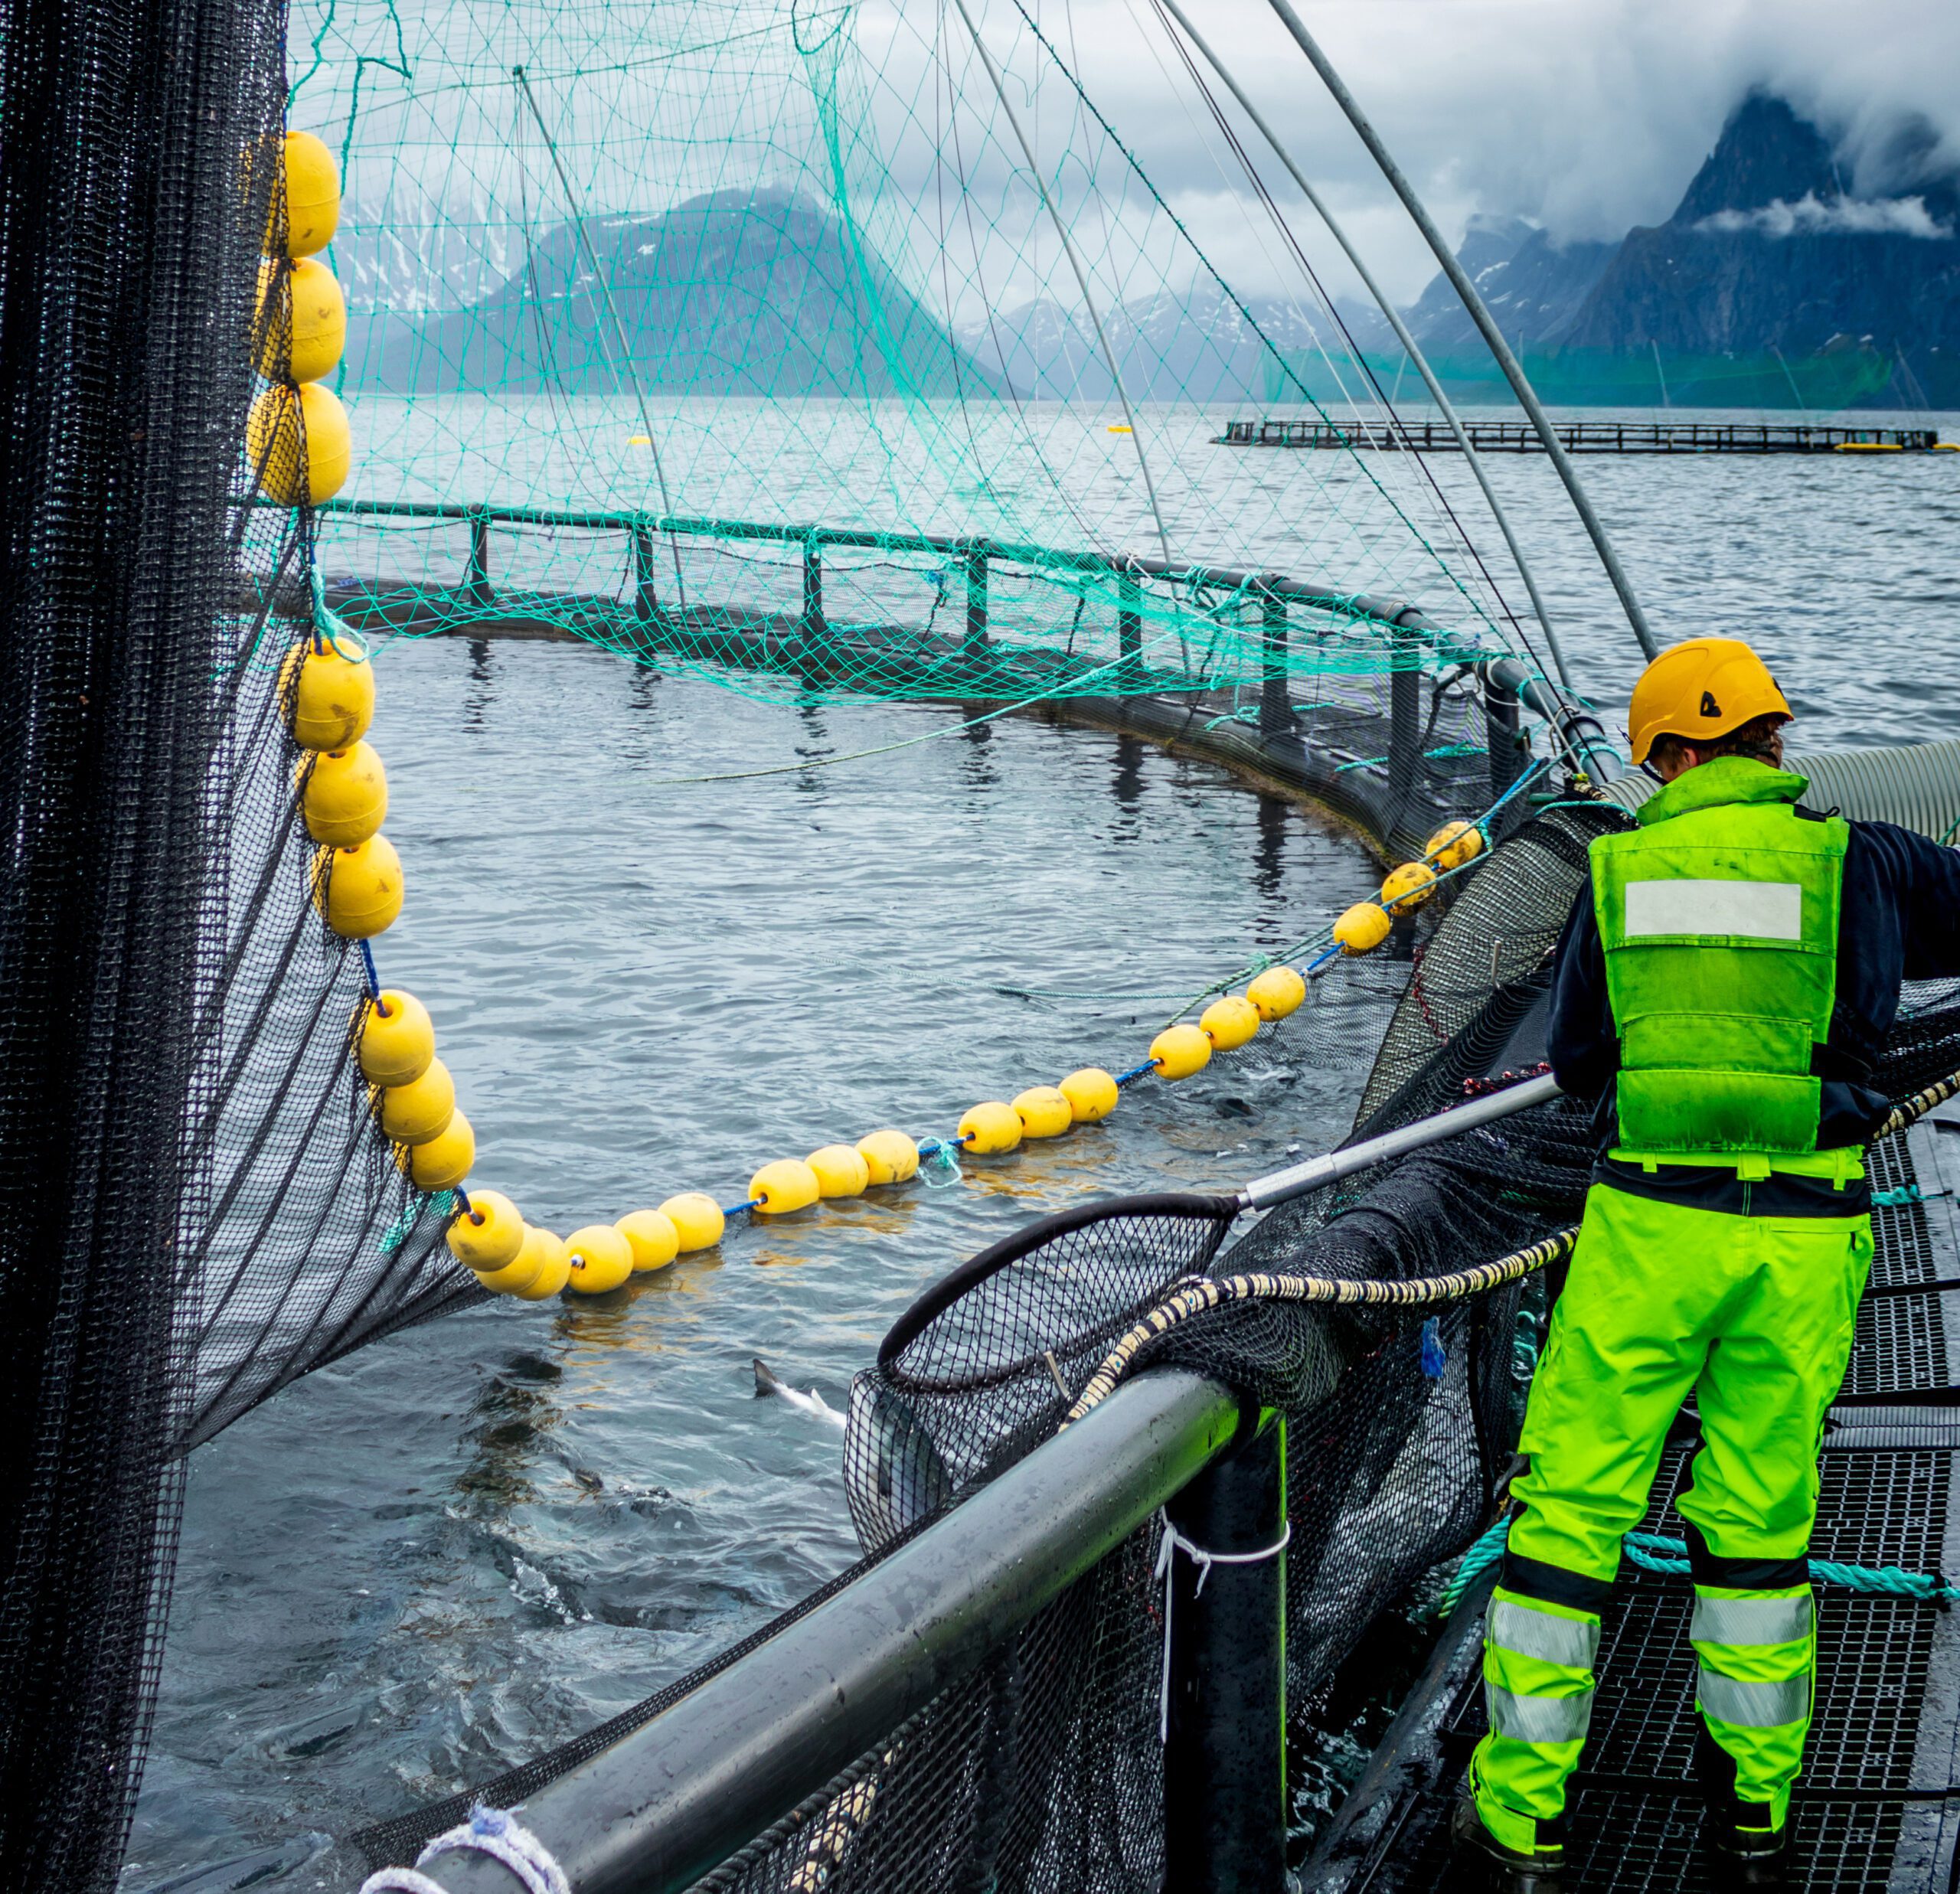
pixel 1229 1021
pixel 1044 1111
pixel 488 1235
pixel 333 699
pixel 344 797
pixel 1408 887
pixel 651 1235
pixel 1277 993
pixel 397 1039
pixel 443 1161
pixel 554 1265
pixel 362 891
pixel 312 196
pixel 300 445
pixel 1092 1094
pixel 840 1170
pixel 1178 1051
pixel 697 1220
pixel 414 1113
pixel 1453 844
pixel 598 1260
pixel 990 1127
pixel 787 1184
pixel 1362 929
pixel 890 1156
pixel 517 1275
pixel 307 314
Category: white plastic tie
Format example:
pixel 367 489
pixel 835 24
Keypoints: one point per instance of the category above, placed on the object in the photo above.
pixel 1173 1543
pixel 496 1832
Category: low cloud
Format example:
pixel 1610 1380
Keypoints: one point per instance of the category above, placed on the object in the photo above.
pixel 1812 216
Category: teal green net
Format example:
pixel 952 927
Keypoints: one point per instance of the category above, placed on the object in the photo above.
pixel 848 345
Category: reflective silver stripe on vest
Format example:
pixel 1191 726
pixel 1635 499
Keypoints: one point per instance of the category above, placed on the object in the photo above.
pixel 1537 1718
pixel 1752 1705
pixel 1760 910
pixel 1540 1634
pixel 1750 1621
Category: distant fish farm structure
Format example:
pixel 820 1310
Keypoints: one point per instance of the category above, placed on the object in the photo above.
pixel 1592 437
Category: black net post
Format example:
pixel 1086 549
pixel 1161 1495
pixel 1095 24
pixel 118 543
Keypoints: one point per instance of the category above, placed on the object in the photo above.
pixel 138 147
pixel 810 626
pixel 477 584
pixel 646 600
pixel 1130 632
pixel 976 602
pixel 1276 709
pixel 1500 721
pixel 1405 711
pixel 1225 1746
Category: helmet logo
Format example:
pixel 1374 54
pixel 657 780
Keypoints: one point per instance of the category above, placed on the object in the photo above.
pixel 1708 707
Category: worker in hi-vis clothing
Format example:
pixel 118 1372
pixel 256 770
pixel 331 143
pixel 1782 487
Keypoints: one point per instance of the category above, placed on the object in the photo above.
pixel 1724 989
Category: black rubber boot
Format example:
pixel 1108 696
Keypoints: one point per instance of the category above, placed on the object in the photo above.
pixel 1747 1857
pixel 1504 1870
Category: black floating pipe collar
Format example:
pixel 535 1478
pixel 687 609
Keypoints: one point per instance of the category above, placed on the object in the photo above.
pixel 677 1796
pixel 1578 729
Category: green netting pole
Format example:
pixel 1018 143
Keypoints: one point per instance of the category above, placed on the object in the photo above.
pixel 1486 324
pixel 1074 263
pixel 976 602
pixel 1410 351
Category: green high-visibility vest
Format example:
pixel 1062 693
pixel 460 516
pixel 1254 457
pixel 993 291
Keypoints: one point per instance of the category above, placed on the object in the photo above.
pixel 1719 917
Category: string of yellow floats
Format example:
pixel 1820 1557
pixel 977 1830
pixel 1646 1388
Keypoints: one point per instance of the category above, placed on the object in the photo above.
pixel 300 443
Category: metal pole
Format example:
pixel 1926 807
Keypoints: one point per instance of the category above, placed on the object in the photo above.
pixel 1501 728
pixel 1276 704
pixel 619 328
pixel 1074 263
pixel 665 1804
pixel 1526 396
pixel 1225 1743
pixel 646 601
pixel 1581 732
pixel 1402 335
pixel 1405 713
pixel 810 629
pixel 477 584
pixel 976 602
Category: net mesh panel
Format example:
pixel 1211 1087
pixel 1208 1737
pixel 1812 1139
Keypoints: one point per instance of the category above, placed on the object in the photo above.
pixel 738 337
pixel 130 212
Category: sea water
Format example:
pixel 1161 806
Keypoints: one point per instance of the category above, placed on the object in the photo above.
pixel 473 1540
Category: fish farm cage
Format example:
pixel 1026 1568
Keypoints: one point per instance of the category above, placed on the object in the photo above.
pixel 685 337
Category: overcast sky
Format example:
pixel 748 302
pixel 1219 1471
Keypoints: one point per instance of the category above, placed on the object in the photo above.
pixel 1590 116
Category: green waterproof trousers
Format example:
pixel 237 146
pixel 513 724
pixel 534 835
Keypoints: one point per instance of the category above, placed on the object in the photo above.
pixel 1753 1315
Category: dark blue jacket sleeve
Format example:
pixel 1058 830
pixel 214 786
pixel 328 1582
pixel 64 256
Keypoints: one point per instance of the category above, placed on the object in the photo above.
pixel 1582 1040
pixel 1921 880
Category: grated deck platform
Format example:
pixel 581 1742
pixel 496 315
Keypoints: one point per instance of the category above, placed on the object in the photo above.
pixel 1879 1814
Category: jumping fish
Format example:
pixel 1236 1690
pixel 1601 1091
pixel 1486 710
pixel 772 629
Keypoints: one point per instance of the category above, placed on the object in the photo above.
pixel 811 1403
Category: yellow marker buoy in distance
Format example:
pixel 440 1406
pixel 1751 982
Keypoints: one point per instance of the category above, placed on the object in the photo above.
pixel 345 797
pixel 1277 993
pixel 299 443
pixel 312 195
pixel 1453 844
pixel 697 1220
pixel 443 1161
pixel 1178 1051
pixel 397 1039
pixel 787 1184
pixel 414 1113
pixel 333 698
pixel 1362 929
pixel 1229 1021
pixel 1092 1094
pixel 361 888
pixel 651 1235
pixel 488 1235
pixel 1044 1111
pixel 840 1170
pixel 597 1259
pixel 890 1157
pixel 554 1265
pixel 990 1127
pixel 1408 887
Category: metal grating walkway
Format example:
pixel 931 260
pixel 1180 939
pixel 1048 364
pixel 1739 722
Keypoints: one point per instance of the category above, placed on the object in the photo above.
pixel 1889 1692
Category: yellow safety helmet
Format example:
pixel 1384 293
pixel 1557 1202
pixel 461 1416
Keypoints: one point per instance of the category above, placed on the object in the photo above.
pixel 1698 690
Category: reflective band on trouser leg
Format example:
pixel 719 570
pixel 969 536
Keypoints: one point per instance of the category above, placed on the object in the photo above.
pixel 1538 1661
pixel 1758 1657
